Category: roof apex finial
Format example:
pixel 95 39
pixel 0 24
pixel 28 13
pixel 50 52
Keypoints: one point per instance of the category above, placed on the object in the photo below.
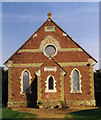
pixel 49 15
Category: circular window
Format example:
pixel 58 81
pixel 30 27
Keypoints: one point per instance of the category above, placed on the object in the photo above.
pixel 50 50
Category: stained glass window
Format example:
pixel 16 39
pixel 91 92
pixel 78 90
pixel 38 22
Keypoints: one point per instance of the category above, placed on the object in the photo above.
pixel 51 83
pixel 75 80
pixel 25 81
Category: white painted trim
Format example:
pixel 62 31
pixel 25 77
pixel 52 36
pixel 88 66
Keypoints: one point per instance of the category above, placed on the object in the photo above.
pixel 35 35
pixel 50 30
pixel 38 73
pixel 21 82
pixel 50 69
pixel 64 34
pixel 71 81
pixel 46 46
pixel 9 63
pixel 91 62
pixel 47 90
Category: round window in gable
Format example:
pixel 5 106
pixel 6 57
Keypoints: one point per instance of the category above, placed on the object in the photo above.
pixel 50 50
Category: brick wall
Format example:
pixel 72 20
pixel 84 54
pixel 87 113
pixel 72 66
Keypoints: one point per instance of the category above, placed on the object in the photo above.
pixel 83 98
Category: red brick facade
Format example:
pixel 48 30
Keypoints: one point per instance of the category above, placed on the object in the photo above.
pixel 31 57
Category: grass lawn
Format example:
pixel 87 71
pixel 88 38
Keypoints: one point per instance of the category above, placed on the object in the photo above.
pixel 92 113
pixel 8 113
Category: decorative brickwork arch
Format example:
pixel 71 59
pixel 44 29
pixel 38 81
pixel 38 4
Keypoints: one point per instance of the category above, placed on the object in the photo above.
pixel 29 77
pixel 75 81
pixel 49 40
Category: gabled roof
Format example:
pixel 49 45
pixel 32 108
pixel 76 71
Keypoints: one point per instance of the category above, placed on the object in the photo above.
pixel 26 41
pixel 53 61
pixel 74 41
pixel 49 18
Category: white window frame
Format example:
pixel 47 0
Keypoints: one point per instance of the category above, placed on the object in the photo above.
pixel 45 52
pixel 71 81
pixel 47 85
pixel 21 82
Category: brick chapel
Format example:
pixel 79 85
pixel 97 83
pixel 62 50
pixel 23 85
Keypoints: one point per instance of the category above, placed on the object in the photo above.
pixel 50 66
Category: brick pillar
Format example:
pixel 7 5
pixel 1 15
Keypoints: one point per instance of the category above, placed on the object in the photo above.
pixel 92 85
pixel 9 86
pixel 62 73
pixel 38 73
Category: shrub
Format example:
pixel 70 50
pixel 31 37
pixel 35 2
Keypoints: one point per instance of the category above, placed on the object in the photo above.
pixel 40 102
pixel 61 102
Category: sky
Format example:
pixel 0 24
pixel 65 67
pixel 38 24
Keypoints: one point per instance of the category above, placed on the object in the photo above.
pixel 79 20
pixel 50 0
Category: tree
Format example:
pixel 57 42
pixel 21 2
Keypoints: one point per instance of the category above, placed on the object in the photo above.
pixel 4 86
pixel 97 79
pixel 97 84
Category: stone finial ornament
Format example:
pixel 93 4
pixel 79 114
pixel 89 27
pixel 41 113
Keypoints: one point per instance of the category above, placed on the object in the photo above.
pixel 49 15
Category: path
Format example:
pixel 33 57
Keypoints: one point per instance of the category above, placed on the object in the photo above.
pixel 51 113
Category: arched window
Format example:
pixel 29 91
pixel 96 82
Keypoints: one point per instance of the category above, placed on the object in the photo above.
pixel 50 82
pixel 75 81
pixel 25 81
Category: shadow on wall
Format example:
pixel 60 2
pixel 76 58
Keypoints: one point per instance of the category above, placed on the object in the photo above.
pixel 32 95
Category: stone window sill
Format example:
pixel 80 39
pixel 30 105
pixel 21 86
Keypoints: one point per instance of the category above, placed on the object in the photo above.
pixel 76 91
pixel 50 91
